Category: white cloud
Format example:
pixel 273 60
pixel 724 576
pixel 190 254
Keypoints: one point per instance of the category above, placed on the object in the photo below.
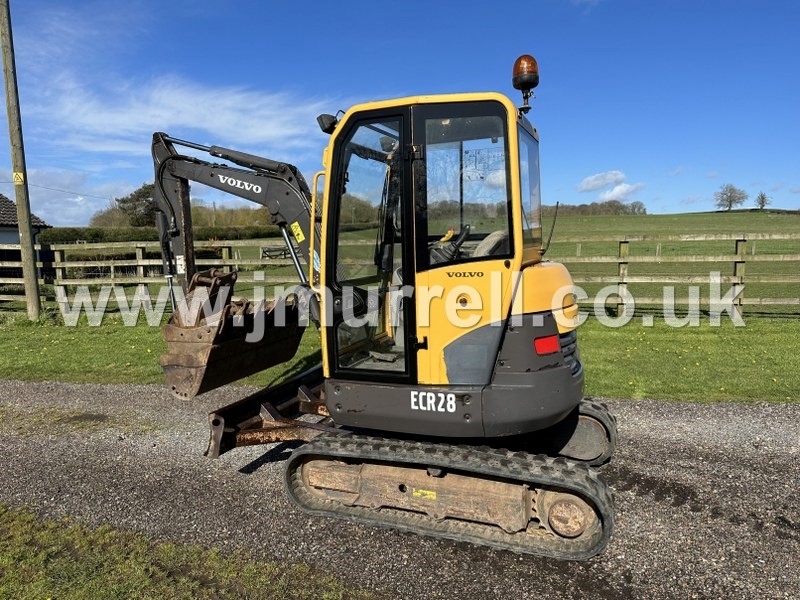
pixel 677 171
pixel 615 181
pixel 88 122
pixel 601 180
pixel 80 135
pixel 621 192
pixel 90 104
pixel 121 119
pixel 795 190
pixel 712 174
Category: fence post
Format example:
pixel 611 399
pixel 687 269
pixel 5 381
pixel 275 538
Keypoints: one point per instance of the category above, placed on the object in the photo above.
pixel 226 259
pixel 58 260
pixel 622 272
pixel 578 249
pixel 139 266
pixel 738 272
pixel 59 257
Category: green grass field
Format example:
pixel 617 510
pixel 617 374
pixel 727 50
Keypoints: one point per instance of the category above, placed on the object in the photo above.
pixel 739 221
pixel 727 363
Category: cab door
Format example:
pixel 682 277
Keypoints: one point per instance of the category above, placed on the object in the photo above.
pixel 369 254
pixel 464 238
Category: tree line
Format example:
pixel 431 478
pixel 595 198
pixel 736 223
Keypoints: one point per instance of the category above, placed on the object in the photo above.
pixel 138 209
pixel 609 207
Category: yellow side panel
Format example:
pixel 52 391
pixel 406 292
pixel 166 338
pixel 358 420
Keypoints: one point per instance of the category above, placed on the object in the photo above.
pixel 454 300
pixel 547 286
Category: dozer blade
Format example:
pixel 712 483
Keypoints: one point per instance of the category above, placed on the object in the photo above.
pixel 214 350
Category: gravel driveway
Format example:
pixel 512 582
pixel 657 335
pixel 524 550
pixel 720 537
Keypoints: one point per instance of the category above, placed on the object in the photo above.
pixel 706 498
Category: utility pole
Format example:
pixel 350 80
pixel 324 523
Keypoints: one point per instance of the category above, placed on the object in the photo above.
pixel 28 256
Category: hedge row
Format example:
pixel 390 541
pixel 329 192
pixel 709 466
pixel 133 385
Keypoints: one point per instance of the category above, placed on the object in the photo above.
pixel 67 235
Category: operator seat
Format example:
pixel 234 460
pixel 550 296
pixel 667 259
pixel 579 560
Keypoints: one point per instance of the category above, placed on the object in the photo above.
pixel 494 243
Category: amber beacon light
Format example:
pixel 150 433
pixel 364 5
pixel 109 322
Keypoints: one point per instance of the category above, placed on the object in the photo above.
pixel 524 78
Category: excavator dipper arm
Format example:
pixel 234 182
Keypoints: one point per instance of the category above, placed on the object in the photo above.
pixel 279 187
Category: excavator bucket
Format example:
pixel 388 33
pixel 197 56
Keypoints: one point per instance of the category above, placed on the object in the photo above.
pixel 216 347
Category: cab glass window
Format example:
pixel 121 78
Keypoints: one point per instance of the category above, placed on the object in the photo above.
pixel 369 211
pixel 463 188
pixel 370 269
pixel 530 188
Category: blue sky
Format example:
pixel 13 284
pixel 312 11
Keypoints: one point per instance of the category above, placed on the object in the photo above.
pixel 657 101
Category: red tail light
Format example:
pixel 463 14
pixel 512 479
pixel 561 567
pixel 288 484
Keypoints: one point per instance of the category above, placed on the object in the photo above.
pixel 547 345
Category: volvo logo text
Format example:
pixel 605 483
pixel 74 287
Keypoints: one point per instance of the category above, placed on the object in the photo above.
pixel 242 185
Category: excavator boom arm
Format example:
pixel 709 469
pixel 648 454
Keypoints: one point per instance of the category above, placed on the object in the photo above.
pixel 279 187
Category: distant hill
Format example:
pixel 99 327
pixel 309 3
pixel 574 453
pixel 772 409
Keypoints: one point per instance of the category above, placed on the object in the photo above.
pixel 736 221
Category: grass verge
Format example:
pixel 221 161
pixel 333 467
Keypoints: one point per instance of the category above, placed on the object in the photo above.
pixel 41 558
pixel 757 362
pixel 47 350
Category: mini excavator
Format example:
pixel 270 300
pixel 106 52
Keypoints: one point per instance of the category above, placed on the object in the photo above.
pixel 449 399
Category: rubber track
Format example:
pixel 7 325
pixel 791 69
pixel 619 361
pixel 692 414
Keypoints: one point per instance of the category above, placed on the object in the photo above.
pixel 600 412
pixel 539 471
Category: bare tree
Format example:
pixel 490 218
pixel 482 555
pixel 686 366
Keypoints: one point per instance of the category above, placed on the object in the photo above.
pixel 729 196
pixel 762 200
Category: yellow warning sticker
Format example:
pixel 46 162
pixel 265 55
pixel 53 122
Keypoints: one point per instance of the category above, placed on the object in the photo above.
pixel 19 178
pixel 298 232
pixel 427 494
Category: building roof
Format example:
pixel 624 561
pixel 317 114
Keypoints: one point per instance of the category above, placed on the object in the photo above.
pixel 8 215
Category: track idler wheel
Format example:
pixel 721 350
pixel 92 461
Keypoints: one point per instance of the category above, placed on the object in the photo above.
pixel 565 515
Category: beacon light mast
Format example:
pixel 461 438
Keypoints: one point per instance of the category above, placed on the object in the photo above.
pixel 525 77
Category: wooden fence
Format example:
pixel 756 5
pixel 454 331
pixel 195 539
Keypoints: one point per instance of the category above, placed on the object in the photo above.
pixel 84 264
pixel 58 263
pixel 742 252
